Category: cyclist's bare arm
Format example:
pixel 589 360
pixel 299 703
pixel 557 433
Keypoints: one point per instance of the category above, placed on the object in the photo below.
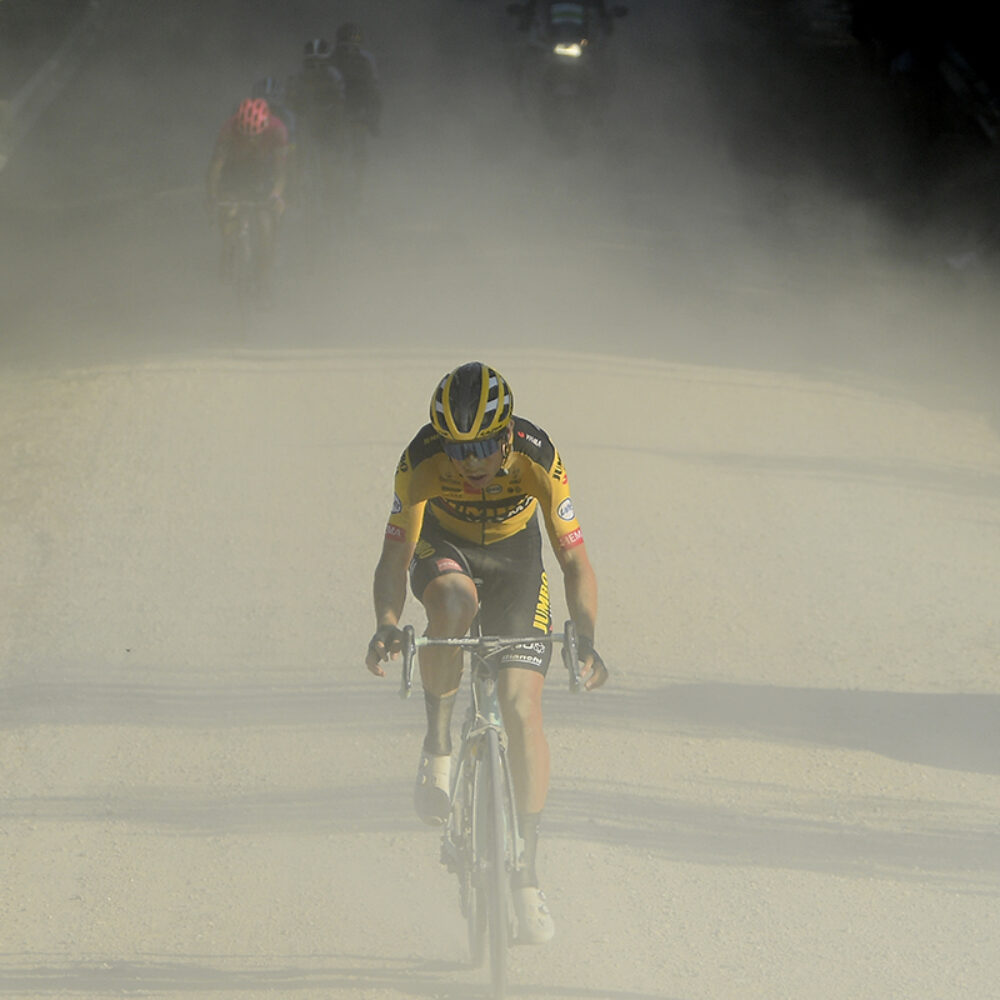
pixel 581 598
pixel 389 593
pixel 581 587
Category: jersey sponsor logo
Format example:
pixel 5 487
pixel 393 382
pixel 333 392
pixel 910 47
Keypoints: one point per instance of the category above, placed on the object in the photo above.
pixel 531 661
pixel 397 504
pixel 395 533
pixel 571 539
pixel 495 488
pixel 492 512
pixel 449 566
pixel 543 617
pixel 528 437
pixel 565 510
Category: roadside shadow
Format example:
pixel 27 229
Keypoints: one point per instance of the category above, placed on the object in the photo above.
pixel 763 823
pixel 756 825
pixel 922 476
pixel 957 731
pixel 204 973
pixel 186 812
pixel 84 698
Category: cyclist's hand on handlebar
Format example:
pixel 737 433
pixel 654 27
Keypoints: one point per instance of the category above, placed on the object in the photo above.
pixel 593 672
pixel 386 642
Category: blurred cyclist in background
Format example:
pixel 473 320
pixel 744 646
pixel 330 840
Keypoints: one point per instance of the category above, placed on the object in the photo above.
pixel 363 96
pixel 249 164
pixel 534 12
pixel 272 90
pixel 316 97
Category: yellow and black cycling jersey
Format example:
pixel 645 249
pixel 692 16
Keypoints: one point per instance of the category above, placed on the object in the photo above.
pixel 531 477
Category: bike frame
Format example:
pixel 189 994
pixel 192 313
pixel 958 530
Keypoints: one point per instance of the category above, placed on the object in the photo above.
pixel 244 240
pixel 481 842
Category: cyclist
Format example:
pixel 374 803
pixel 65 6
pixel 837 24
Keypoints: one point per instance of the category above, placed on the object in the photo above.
pixel 464 523
pixel 249 164
pixel 274 92
pixel 529 13
pixel 316 96
pixel 362 94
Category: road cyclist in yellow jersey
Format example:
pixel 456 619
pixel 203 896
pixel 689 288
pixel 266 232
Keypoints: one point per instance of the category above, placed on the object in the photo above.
pixel 464 525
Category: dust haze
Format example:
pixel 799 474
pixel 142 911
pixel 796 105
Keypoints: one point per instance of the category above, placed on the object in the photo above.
pixel 741 203
pixel 735 311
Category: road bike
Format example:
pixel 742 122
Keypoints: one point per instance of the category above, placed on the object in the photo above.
pixel 243 252
pixel 481 843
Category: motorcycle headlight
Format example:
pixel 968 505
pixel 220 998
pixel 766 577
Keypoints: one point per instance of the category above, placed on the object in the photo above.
pixel 572 49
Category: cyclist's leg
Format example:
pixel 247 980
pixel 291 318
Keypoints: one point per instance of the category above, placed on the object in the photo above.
pixel 442 582
pixel 518 604
pixel 528 752
pixel 439 577
pixel 358 161
pixel 520 694
pixel 232 188
pixel 266 229
pixel 226 219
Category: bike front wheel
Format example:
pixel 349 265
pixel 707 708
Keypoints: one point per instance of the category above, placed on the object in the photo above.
pixel 245 267
pixel 492 860
pixel 460 843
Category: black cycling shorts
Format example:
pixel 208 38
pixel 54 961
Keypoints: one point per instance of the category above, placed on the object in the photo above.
pixel 510 578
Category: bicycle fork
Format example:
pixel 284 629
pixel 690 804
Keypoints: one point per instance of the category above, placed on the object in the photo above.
pixel 458 844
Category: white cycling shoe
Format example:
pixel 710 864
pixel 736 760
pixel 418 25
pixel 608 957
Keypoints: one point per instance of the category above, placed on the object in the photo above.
pixel 431 794
pixel 534 922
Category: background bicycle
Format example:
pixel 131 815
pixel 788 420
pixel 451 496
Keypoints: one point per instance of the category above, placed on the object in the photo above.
pixel 249 233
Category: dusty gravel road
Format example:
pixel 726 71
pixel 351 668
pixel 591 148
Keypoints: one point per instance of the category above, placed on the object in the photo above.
pixel 783 443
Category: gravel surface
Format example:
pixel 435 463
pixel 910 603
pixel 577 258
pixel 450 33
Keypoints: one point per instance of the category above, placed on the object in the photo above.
pixel 782 433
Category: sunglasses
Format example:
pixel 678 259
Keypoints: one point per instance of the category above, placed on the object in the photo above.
pixel 461 450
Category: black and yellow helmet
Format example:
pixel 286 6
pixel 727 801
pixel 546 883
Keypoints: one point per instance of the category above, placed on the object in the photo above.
pixel 471 403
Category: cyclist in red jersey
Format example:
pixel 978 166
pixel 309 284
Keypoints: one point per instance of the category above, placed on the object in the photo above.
pixel 464 524
pixel 249 164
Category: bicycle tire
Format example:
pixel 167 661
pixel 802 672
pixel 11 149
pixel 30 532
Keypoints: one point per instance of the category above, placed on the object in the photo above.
pixel 496 887
pixel 245 269
pixel 475 918
pixel 463 834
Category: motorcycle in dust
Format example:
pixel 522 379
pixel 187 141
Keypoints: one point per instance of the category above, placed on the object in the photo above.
pixel 563 72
